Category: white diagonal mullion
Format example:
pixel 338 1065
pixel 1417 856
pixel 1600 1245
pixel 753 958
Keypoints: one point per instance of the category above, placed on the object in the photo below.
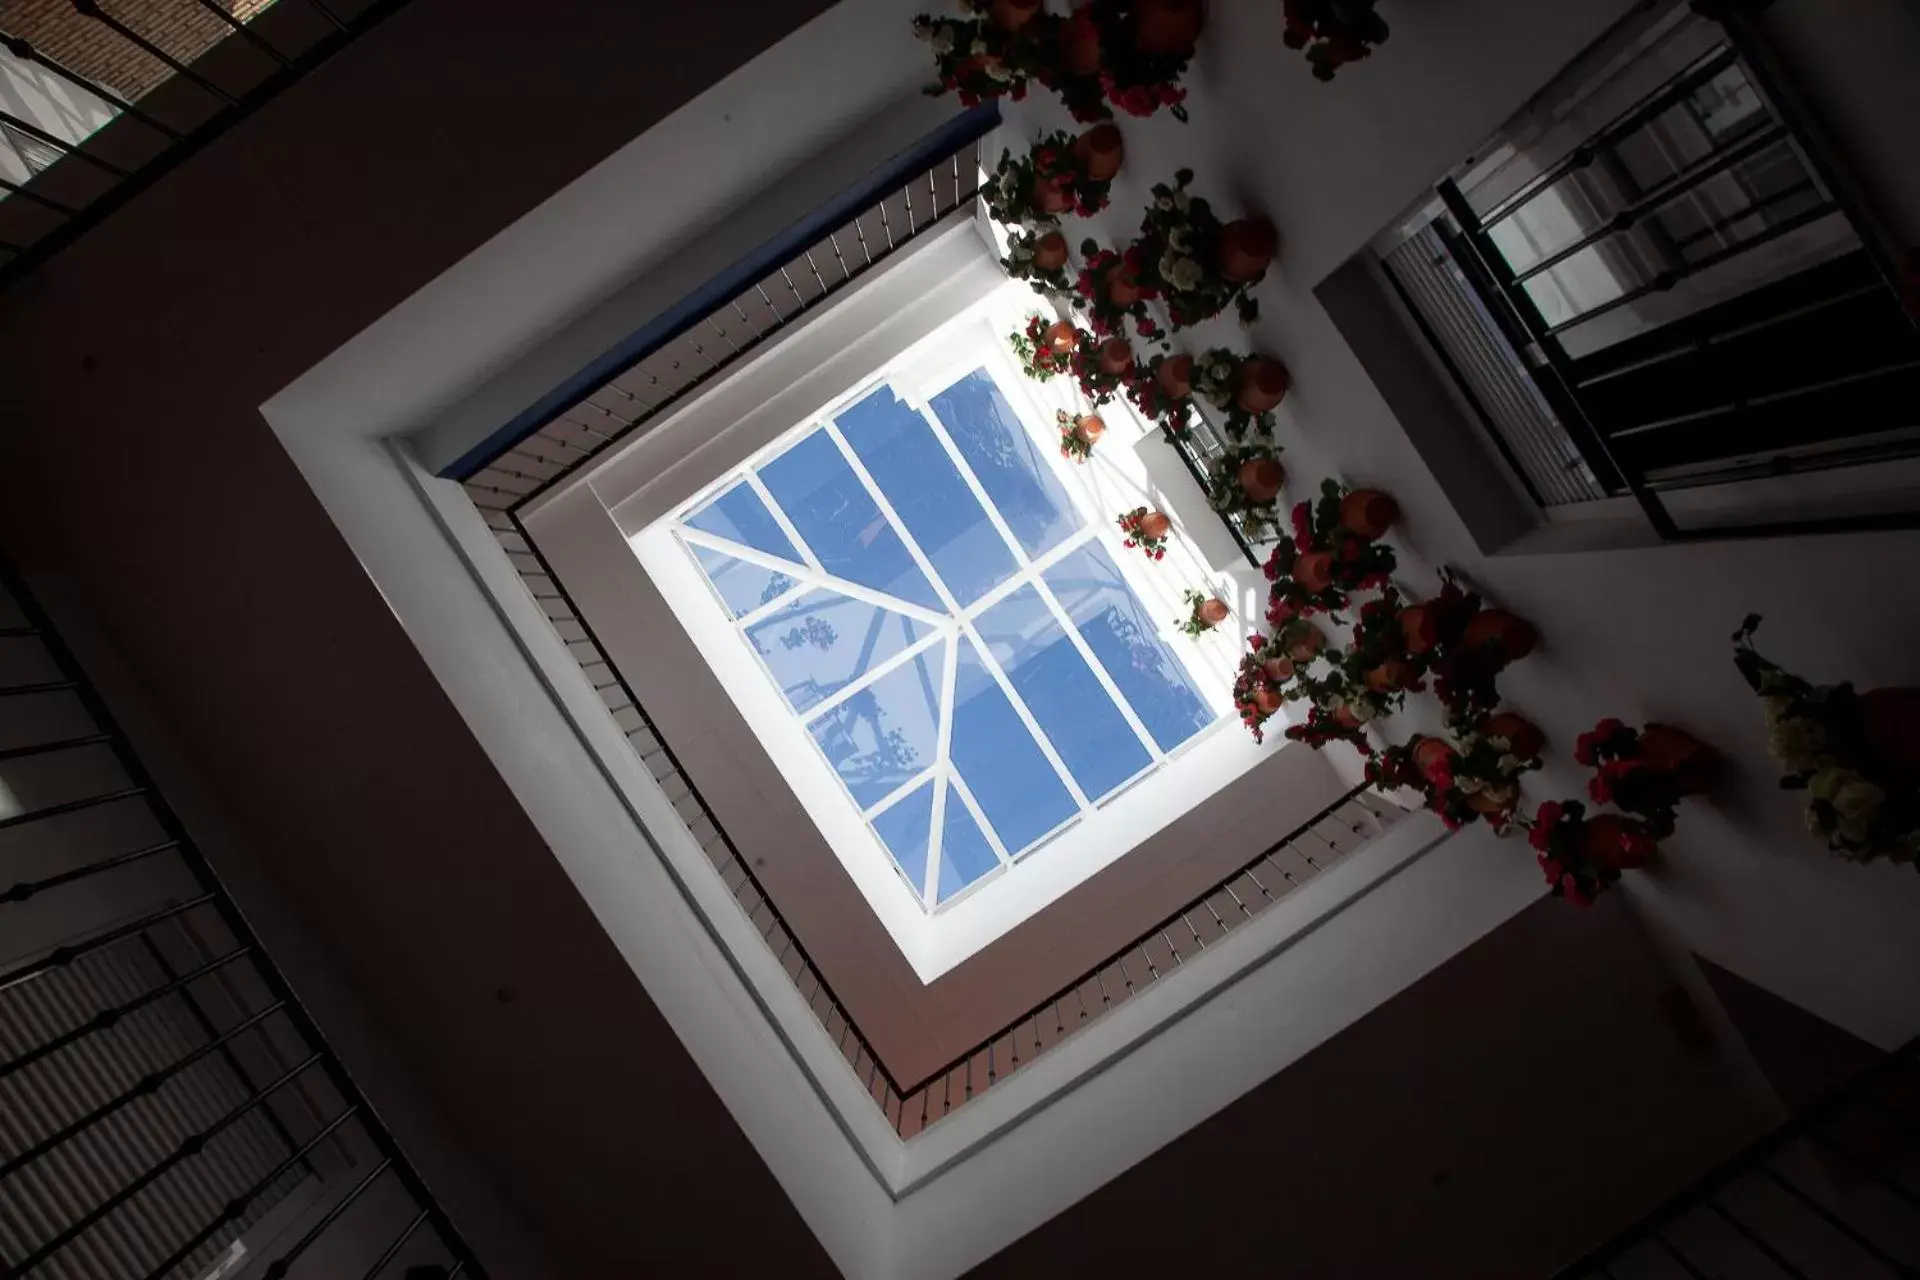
pixel 972 481
pixel 943 773
pixel 917 649
pixel 810 577
pixel 1047 559
pixel 959 786
pixel 966 624
pixel 786 526
pixel 1100 672
pixel 898 794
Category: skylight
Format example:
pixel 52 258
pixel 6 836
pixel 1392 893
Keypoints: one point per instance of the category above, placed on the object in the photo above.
pixel 949 623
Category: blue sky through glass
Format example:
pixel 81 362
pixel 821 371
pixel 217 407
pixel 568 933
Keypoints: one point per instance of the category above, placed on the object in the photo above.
pixel 965 855
pixel 1007 460
pixel 1085 727
pixel 839 520
pixel 1021 795
pixel 904 457
pixel 825 641
pixel 1122 635
pixel 906 828
pixel 887 732
pixel 742 585
pixel 739 516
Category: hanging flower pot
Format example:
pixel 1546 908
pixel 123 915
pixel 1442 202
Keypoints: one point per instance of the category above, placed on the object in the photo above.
pixel 1100 151
pixel 1168 28
pixel 1494 802
pixel 1416 628
pixel 1247 246
pixel 1523 737
pixel 1116 356
pixel 1368 513
pixel 1391 675
pixel 1617 842
pixel 1514 636
pixel 1259 385
pixel 1155 525
pixel 1214 611
pixel 1123 286
pixel 1266 700
pixel 1062 337
pixel 1313 570
pixel 1050 252
pixel 1277 670
pixel 1050 197
pixel 1080 44
pixel 1432 755
pixel 1175 376
pixel 1090 428
pixel 1345 718
pixel 1304 643
pixel 1890 724
pixel 1011 15
pixel 1690 762
pixel 1260 479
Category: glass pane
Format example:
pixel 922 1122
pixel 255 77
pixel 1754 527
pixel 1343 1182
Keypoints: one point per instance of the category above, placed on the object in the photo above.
pixel 905 458
pixel 1122 635
pixel 905 828
pixel 739 515
pixel 1021 795
pixel 1059 688
pixel 965 855
pixel 1008 460
pixel 836 515
pixel 743 586
pixel 888 732
pixel 825 641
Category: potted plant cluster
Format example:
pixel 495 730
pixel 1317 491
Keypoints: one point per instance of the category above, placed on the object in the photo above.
pixel 1040 258
pixel 1582 856
pixel 1079 432
pixel 1148 530
pixel 1476 777
pixel 1326 558
pixel 1244 483
pixel 1045 347
pixel 979 58
pixel 1059 175
pixel 1121 55
pixel 1333 32
pixel 1184 255
pixel 1103 369
pixel 1204 613
pixel 1646 772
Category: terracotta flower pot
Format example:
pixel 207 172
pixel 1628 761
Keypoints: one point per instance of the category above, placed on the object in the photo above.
pixel 1524 738
pixel 1168 28
pixel 1062 337
pixel 1260 479
pixel 1048 197
pixel 1080 46
pixel 1414 629
pixel 1100 151
pixel 1247 246
pixel 1313 570
pixel 1345 718
pixel 1393 674
pixel 1890 724
pixel 1514 635
pixel 1116 355
pixel 1175 376
pixel 1305 643
pixel 1155 524
pixel 1259 385
pixel 1123 285
pixel 1368 513
pixel 1090 428
pixel 1050 251
pixel 1604 839
pixel 1429 754
pixel 1278 670
pixel 1493 804
pixel 1690 762
pixel 1011 15
pixel 1214 612
pixel 1266 701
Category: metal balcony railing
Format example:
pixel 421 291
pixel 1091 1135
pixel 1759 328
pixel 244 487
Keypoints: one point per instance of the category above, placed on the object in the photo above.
pixel 1833 1193
pixel 104 96
pixel 1689 296
pixel 168 1108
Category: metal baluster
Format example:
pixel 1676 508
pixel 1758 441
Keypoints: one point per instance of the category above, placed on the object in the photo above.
pixel 245 33
pixel 91 9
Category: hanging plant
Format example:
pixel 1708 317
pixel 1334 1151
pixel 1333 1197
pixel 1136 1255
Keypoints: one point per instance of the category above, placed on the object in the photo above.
pixel 1120 55
pixel 1079 432
pixel 1039 257
pixel 1112 290
pixel 1162 390
pixel 1583 856
pixel 1856 755
pixel 1147 530
pixel 1243 484
pixel 1478 777
pixel 1054 178
pixel 1273 672
pixel 1467 665
pixel 1319 567
pixel 1246 389
pixel 1198 264
pixel 979 59
pixel 1102 370
pixel 1045 347
pixel 1333 32
pixel 1204 613
pixel 1646 772
pixel 1338 713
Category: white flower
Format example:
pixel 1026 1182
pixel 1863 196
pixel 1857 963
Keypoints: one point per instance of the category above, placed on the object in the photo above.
pixel 999 70
pixel 979 47
pixel 1796 743
pixel 1220 372
pixel 1469 785
pixel 1162 203
pixel 1859 798
pixel 1511 764
pixel 1181 201
pixel 1858 829
pixel 1826 784
pixel 1179 241
pixel 1180 272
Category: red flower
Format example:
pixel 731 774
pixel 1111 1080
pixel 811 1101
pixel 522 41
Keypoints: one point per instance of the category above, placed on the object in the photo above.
pixel 1553 868
pixel 1544 822
pixel 1570 889
pixel 1636 846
